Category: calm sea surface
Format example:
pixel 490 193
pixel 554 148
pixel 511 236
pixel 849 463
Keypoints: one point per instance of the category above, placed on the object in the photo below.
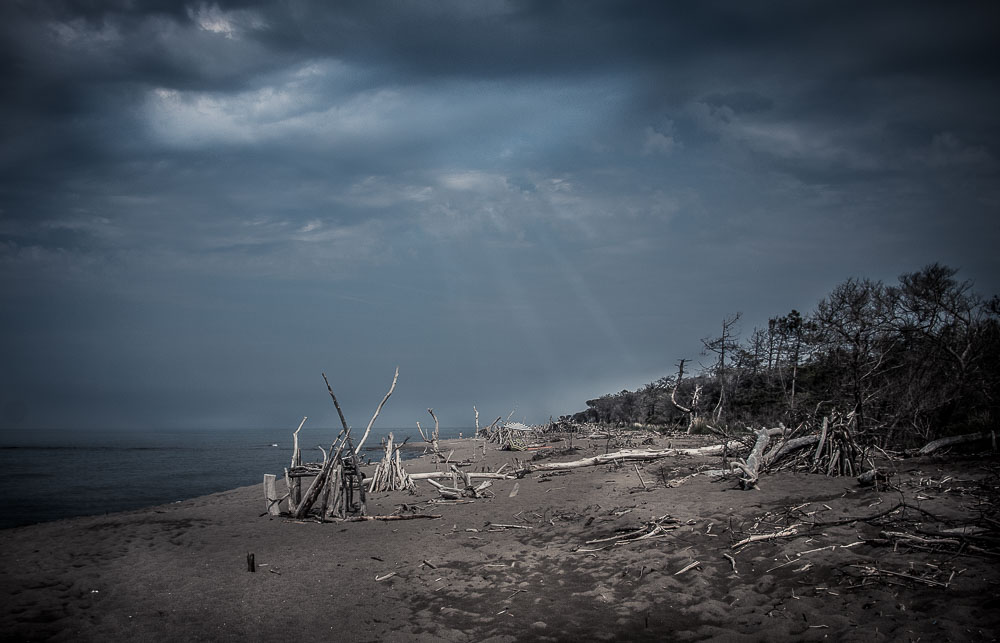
pixel 52 474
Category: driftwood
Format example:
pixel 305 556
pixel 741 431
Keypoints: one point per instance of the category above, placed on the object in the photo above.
pixel 836 452
pixel 378 410
pixel 392 517
pixel 512 436
pixel 822 441
pixel 271 495
pixel 941 443
pixel 320 481
pixel 312 494
pixel 432 438
pixel 751 466
pixel 687 567
pixel 784 533
pixel 467 490
pixel 295 492
pixel 631 455
pixel 870 477
pixel 606 458
pixel 447 474
pixel 389 474
pixel 338 475
pixel 653 529
pixel 783 448
pixel 878 573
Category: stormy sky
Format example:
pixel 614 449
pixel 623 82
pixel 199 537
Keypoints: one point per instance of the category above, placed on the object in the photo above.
pixel 203 206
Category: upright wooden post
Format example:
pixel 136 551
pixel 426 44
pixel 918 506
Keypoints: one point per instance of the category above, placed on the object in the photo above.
pixel 295 493
pixel 271 495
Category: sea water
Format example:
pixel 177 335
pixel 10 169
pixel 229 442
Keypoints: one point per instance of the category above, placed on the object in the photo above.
pixel 60 473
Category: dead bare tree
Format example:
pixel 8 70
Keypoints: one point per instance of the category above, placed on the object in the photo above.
pixel 692 412
pixel 722 345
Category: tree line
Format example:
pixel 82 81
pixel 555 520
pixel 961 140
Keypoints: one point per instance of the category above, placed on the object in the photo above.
pixel 906 362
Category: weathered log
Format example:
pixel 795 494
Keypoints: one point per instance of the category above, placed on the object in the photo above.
pixel 392 517
pixel 822 441
pixel 941 443
pixel 788 446
pixel 792 530
pixel 450 493
pixel 630 455
pixel 870 477
pixel 447 474
pixel 754 461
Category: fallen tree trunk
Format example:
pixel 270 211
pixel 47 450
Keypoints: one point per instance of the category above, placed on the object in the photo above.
pixel 941 443
pixel 630 455
pixel 789 446
pixel 392 517
pixel 434 475
pixel 751 467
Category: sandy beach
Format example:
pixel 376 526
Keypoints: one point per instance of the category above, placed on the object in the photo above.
pixel 179 572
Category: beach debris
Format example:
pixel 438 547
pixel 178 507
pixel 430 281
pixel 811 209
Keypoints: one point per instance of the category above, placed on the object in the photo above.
pixel 384 577
pixel 484 475
pixel 687 567
pixel 251 564
pixel 392 517
pixel 271 496
pixel 378 410
pixel 604 458
pixel 869 572
pixel 941 443
pixel 836 451
pixel 389 474
pixel 493 526
pixel 784 533
pixel 295 490
pixel 872 477
pixel 751 466
pixel 334 481
pixel 431 439
pixel 732 561
pixel 468 489
pixel 655 528
pixel 643 482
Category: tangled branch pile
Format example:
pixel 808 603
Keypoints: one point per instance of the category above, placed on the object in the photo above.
pixel 832 451
pixel 512 436
pixel 389 474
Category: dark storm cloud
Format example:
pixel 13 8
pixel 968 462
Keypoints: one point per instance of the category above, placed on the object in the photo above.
pixel 494 189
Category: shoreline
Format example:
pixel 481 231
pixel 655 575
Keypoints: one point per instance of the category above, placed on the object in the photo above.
pixel 49 477
pixel 179 572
